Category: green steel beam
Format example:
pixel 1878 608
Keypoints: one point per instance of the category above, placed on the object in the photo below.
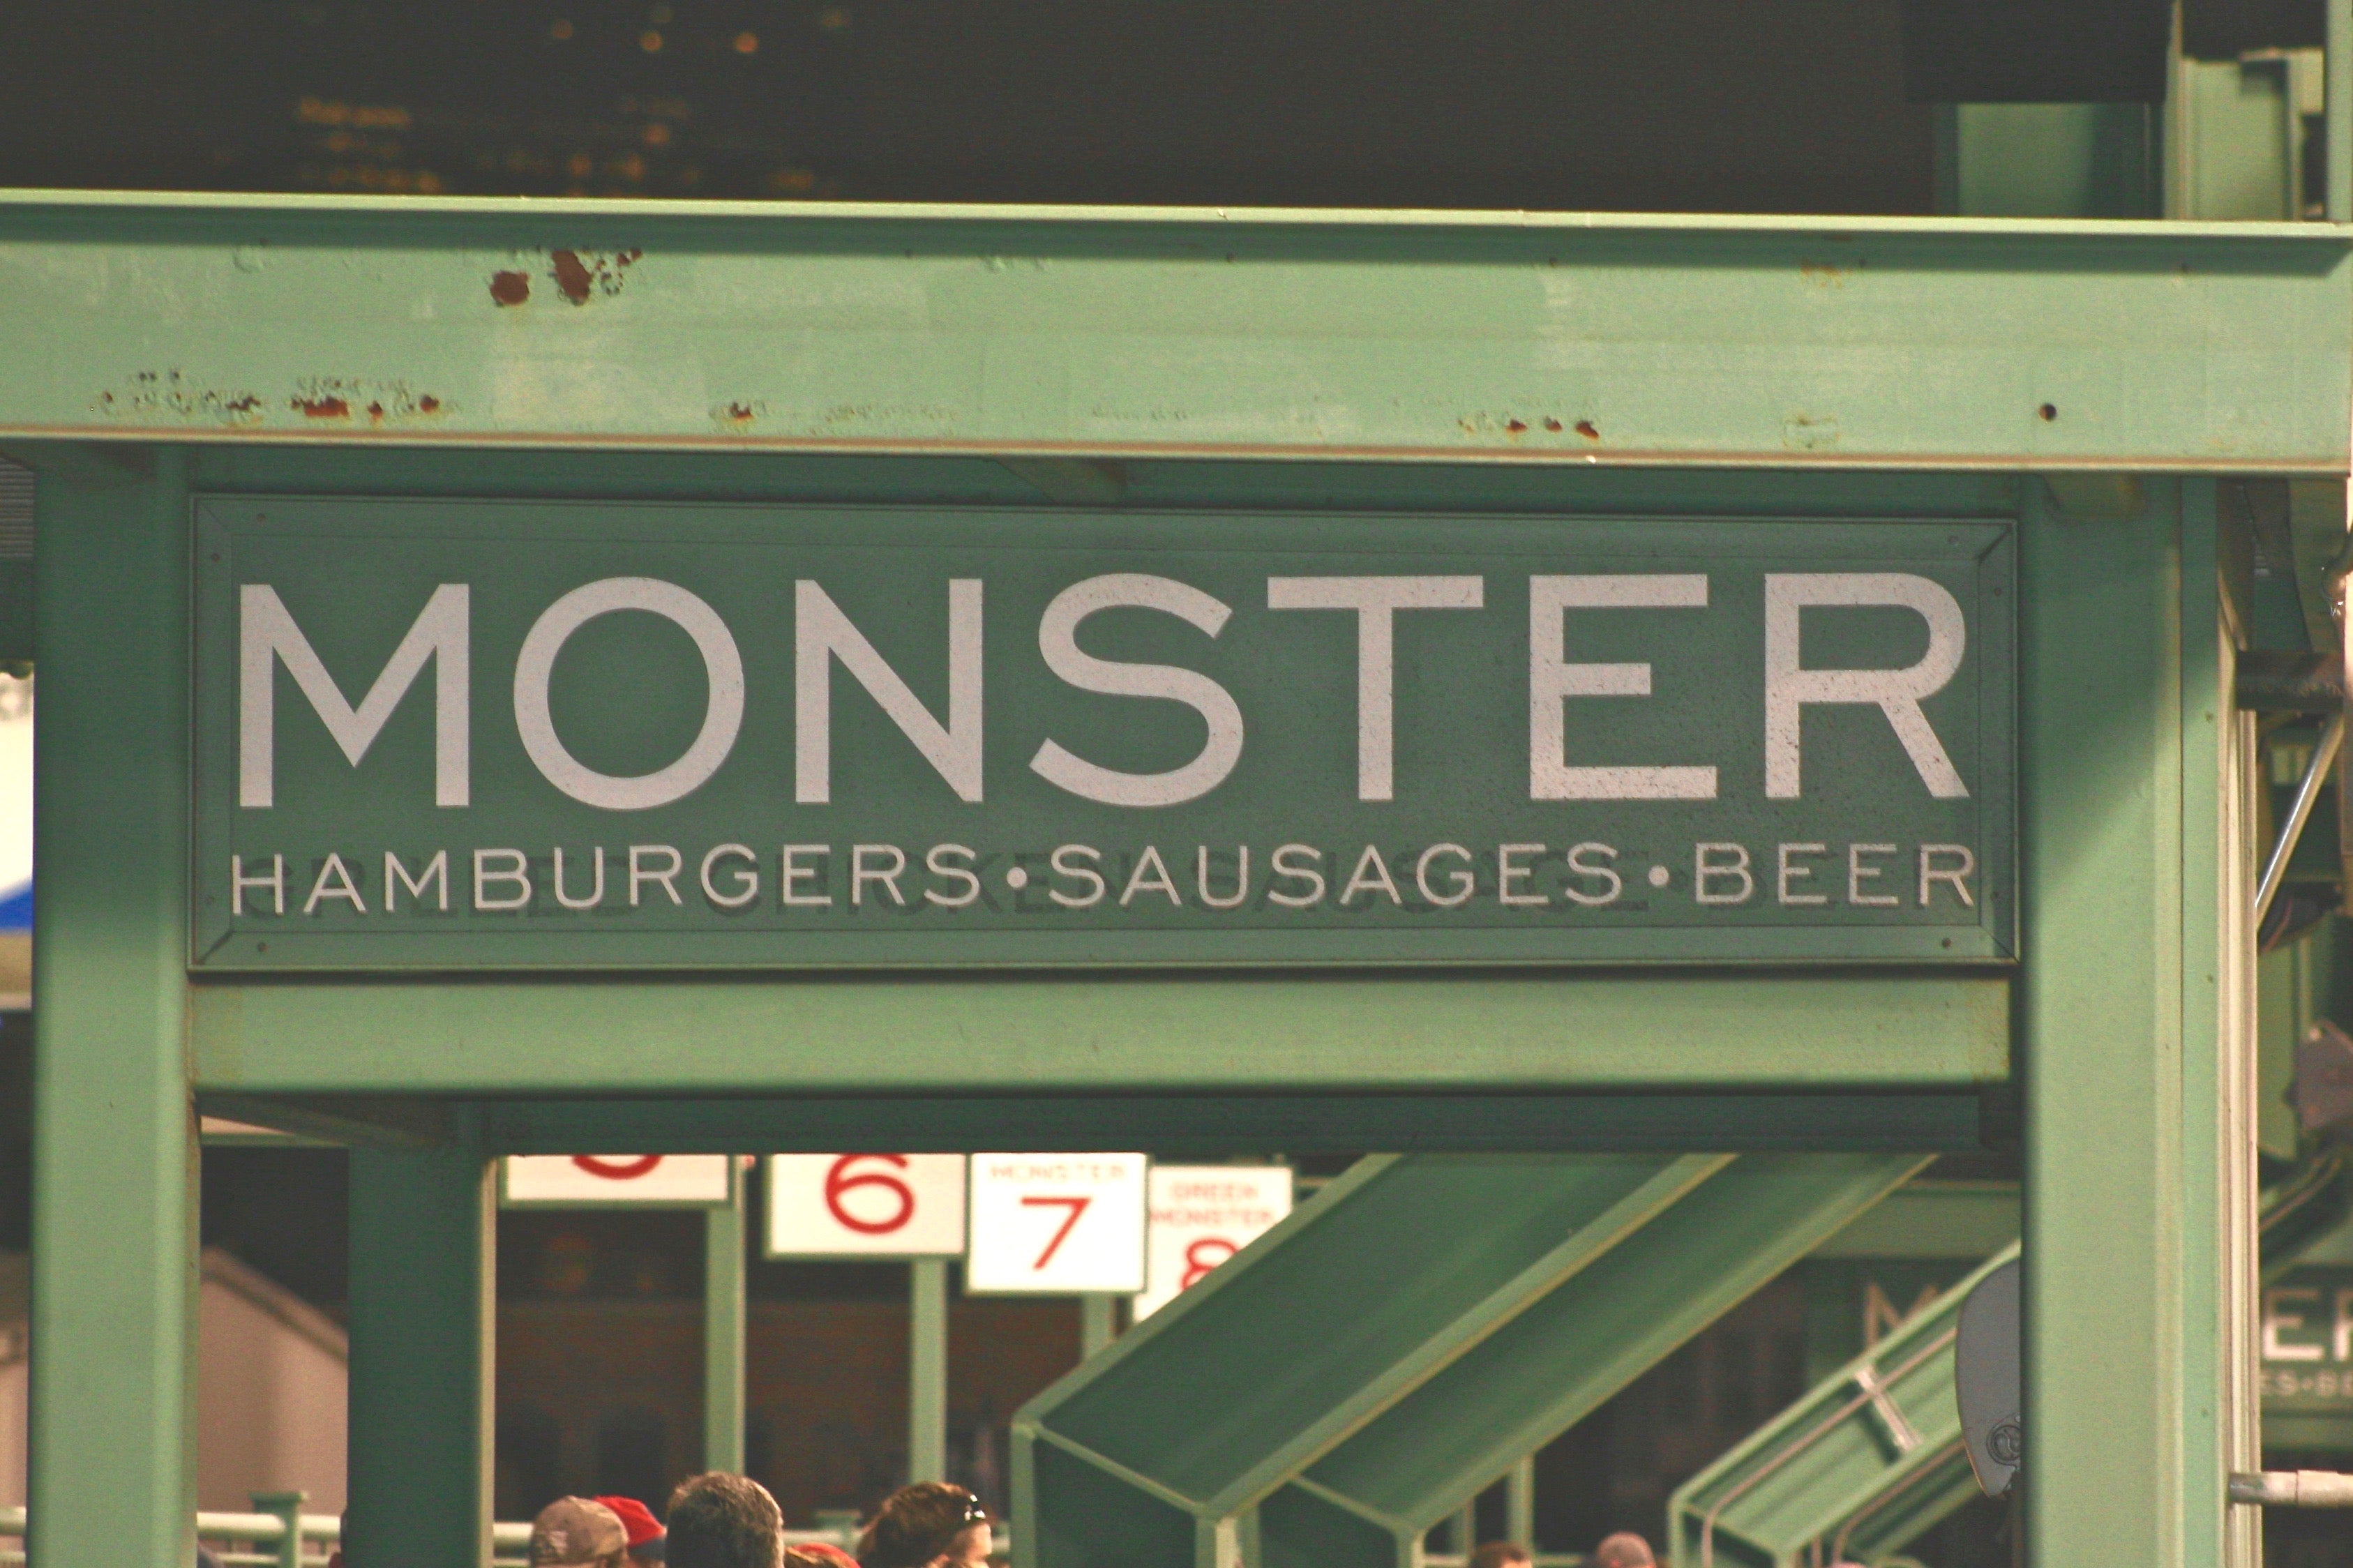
pixel 1867 1459
pixel 1624 1311
pixel 723 1314
pixel 423 1326
pixel 1400 1341
pixel 1933 1219
pixel 1526 1120
pixel 2138 1160
pixel 1024 1034
pixel 114 1139
pixel 1123 332
pixel 927 1370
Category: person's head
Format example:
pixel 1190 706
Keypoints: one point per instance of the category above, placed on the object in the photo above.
pixel 645 1532
pixel 1624 1550
pixel 578 1533
pixel 1500 1555
pixel 721 1520
pixel 927 1525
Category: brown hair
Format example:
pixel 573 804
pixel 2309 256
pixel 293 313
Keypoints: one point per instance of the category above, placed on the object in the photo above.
pixel 918 1524
pixel 1499 1554
pixel 718 1520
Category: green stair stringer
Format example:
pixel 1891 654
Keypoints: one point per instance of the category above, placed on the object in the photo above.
pixel 1345 1382
pixel 1866 1462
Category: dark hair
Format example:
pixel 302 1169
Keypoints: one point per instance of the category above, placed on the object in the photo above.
pixel 718 1520
pixel 916 1525
pixel 1499 1554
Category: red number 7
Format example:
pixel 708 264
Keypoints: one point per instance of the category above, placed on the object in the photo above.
pixel 1076 1208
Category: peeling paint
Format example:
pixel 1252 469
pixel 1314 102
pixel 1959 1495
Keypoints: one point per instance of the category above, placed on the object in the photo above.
pixel 1809 433
pixel 346 398
pixel 582 275
pixel 150 395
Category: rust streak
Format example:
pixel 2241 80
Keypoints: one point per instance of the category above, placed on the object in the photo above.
pixel 510 288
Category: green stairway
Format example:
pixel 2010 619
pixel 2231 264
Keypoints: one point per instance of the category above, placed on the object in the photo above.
pixel 1350 1379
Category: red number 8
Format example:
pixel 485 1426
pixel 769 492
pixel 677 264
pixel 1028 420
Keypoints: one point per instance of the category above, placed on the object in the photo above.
pixel 1195 1265
pixel 840 1183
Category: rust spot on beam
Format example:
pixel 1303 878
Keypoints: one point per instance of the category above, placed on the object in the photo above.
pixel 1584 428
pixel 1551 423
pixel 323 407
pixel 573 280
pixel 1516 426
pixel 510 288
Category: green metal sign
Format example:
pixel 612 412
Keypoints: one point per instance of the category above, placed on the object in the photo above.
pixel 445 734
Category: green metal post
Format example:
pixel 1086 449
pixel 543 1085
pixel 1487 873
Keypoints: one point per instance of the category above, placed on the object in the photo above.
pixel 288 1507
pixel 1520 1503
pixel 927 1371
pixel 1098 1323
pixel 2124 1196
pixel 723 1333
pixel 423 1260
pixel 2338 85
pixel 114 1146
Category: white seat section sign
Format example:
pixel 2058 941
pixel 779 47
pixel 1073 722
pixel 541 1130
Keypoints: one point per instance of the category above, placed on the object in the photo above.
pixel 1199 1216
pixel 865 1205
pixel 564 1180
pixel 1057 1225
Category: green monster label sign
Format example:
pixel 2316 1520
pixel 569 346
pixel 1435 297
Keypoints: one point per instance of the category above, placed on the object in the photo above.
pixel 438 735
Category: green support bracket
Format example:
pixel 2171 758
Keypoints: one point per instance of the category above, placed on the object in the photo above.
pixel 1354 1377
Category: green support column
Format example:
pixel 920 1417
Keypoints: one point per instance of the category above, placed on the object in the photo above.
pixel 114 1149
pixel 722 1334
pixel 927 1370
pixel 2127 1227
pixel 1098 1323
pixel 423 1293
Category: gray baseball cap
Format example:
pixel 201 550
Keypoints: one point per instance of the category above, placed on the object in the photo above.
pixel 576 1530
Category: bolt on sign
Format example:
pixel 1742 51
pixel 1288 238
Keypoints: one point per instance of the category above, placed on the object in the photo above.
pixel 578 1181
pixel 1056 1225
pixel 1199 1216
pixel 448 734
pixel 865 1205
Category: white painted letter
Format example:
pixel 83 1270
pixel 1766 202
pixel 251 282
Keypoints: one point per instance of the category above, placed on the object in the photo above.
pixel 748 877
pixel 822 634
pixel 723 713
pixel 1551 681
pixel 266 634
pixel 1897 692
pixel 1058 642
pixel 1376 600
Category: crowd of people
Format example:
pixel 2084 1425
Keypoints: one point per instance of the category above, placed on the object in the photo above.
pixel 721 1520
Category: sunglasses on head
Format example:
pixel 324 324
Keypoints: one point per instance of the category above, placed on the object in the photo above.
pixel 973 1513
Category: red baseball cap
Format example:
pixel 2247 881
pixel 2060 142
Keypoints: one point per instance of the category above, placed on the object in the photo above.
pixel 637 1520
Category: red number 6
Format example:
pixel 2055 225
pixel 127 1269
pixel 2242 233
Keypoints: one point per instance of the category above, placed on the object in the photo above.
pixel 617 1170
pixel 1195 1265
pixel 840 1183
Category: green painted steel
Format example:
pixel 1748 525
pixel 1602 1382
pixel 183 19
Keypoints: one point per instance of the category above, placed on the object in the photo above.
pixel 1933 1219
pixel 1351 1378
pixel 1751 342
pixel 423 1325
pixel 1038 1034
pixel 1866 1460
pixel 2132 1232
pixel 114 1150
pixel 927 1370
pixel 723 1316
pixel 1389 737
